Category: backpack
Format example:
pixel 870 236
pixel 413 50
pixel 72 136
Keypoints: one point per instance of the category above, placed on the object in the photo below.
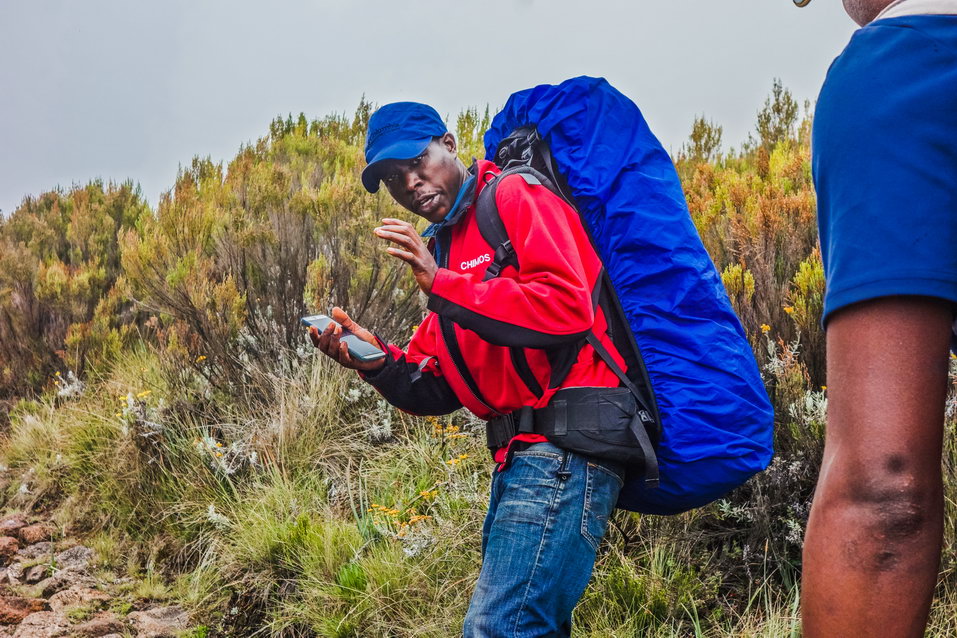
pixel 706 422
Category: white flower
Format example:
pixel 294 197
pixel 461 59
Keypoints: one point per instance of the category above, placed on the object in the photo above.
pixel 216 518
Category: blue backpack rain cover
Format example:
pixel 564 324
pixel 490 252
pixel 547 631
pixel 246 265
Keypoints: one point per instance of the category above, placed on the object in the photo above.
pixel 716 419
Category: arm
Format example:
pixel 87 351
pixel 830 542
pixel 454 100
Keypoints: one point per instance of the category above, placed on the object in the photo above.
pixel 416 388
pixel 410 381
pixel 549 301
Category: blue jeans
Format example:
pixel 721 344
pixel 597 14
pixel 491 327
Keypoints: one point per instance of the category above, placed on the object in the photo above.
pixel 547 513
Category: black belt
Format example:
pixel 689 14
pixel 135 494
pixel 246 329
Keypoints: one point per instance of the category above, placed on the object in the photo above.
pixel 571 405
pixel 604 423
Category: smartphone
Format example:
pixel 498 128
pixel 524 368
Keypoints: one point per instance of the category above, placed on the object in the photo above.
pixel 358 349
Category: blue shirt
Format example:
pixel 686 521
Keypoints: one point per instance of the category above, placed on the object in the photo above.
pixel 885 163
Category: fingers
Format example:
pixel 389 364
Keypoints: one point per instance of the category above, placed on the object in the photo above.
pixel 400 232
pixel 344 358
pixel 328 341
pixel 404 255
pixel 410 241
pixel 341 317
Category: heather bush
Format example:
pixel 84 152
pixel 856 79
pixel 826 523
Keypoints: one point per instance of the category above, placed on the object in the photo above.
pixel 60 307
pixel 235 255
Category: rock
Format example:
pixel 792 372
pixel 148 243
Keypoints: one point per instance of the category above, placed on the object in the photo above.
pixel 35 551
pixel 14 573
pixel 35 574
pixel 63 600
pixel 100 625
pixel 9 546
pixel 43 624
pixel 159 622
pixel 37 533
pixel 14 609
pixel 11 525
pixel 76 558
pixel 63 580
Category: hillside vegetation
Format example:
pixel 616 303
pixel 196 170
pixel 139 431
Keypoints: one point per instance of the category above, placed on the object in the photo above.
pixel 160 399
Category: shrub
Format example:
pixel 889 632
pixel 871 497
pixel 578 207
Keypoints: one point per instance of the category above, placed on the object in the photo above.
pixel 60 306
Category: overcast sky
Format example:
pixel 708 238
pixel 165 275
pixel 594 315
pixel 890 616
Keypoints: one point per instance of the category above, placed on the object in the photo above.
pixel 119 89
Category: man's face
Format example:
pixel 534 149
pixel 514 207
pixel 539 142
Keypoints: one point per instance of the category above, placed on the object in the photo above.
pixel 863 11
pixel 428 184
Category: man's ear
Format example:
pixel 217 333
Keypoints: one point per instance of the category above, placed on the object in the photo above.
pixel 448 141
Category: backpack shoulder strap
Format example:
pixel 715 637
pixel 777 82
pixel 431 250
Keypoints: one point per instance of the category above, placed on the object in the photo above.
pixel 490 223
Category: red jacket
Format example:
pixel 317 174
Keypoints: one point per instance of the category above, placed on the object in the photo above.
pixel 518 333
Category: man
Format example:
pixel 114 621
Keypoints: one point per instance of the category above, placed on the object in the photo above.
pixel 885 169
pixel 505 346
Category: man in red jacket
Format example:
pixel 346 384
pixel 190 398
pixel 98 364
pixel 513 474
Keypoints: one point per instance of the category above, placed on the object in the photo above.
pixel 502 347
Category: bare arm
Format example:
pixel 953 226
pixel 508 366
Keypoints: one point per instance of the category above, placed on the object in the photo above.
pixel 873 542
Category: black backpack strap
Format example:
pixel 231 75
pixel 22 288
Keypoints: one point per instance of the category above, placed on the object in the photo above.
pixel 490 223
pixel 643 417
pixel 493 231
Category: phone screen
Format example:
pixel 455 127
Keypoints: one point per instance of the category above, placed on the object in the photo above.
pixel 358 349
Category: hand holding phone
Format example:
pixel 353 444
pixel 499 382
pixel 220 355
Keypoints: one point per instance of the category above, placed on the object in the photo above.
pixel 342 339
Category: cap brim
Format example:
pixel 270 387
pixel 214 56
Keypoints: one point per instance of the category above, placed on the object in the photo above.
pixel 403 150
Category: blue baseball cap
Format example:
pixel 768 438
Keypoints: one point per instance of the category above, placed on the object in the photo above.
pixel 398 131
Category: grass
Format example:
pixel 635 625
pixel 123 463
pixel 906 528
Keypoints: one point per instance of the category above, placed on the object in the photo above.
pixel 299 518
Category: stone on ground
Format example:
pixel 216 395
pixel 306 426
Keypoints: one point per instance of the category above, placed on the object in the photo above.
pixel 63 600
pixel 63 580
pixel 35 551
pixel 76 558
pixel 11 525
pixel 102 624
pixel 14 609
pixel 43 624
pixel 9 546
pixel 37 533
pixel 160 622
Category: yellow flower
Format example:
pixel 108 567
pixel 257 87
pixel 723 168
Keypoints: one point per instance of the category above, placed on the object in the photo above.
pixel 765 328
pixel 218 444
pixel 144 394
pixel 789 309
pixel 219 454
pixel 200 358
pixel 414 328
pixel 57 373
pixel 463 456
pixel 823 388
pixel 119 416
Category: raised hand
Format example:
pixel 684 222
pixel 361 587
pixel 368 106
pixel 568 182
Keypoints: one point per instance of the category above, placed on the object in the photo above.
pixel 331 345
pixel 410 248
